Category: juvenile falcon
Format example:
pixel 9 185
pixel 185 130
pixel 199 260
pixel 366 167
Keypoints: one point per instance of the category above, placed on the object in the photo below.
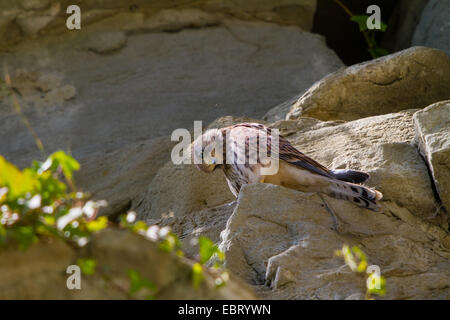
pixel 242 164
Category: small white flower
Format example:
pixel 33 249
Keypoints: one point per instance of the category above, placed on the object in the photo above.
pixel 35 202
pixel 131 216
pixel 82 241
pixel 47 209
pixel 163 232
pixel 3 191
pixel 73 214
pixel 89 209
pixel 152 232
pixel 45 166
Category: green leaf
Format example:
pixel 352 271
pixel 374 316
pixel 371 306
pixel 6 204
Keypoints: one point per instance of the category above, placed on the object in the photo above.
pixel 66 162
pixel 361 20
pixel 170 243
pixel 197 274
pixel 137 283
pixel 207 249
pixel 18 183
pixel 377 52
pixel 87 265
pixel 25 236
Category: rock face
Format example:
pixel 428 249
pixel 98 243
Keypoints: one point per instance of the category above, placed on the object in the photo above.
pixel 175 192
pixel 121 175
pixel 141 84
pixel 34 18
pixel 405 18
pixel 433 137
pixel 413 78
pixel 156 83
pixel 433 28
pixel 135 75
pixel 40 272
pixel 282 242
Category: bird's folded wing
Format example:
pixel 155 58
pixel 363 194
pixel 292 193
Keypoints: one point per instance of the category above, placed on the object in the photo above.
pixel 288 153
pixel 249 134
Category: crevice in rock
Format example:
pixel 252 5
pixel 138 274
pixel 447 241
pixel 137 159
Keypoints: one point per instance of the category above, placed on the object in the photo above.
pixel 115 215
pixel 433 185
pixel 386 84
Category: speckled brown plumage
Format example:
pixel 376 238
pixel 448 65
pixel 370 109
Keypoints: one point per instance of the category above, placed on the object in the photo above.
pixel 296 170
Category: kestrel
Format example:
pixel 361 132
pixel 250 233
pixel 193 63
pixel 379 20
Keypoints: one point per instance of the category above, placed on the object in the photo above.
pixel 295 170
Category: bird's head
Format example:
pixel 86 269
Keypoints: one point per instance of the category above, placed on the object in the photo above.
pixel 206 151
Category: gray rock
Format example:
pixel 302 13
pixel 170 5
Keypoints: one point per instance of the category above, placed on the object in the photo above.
pixel 413 78
pixel 34 4
pixel 179 190
pixel 119 176
pixel 158 82
pixel 32 22
pixel 175 20
pixel 433 136
pixel 434 26
pixel 404 21
pixel 283 242
pixel 106 42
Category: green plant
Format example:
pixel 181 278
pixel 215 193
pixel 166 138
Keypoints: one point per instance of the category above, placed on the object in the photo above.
pixel 369 34
pixel 40 201
pixel 209 252
pixel 169 242
pixel 356 260
pixel 139 284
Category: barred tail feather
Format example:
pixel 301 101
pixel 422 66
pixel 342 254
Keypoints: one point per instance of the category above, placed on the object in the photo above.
pixel 352 176
pixel 361 196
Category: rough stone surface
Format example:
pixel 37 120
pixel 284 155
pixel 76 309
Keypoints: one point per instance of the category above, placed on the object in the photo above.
pixel 434 26
pixel 433 137
pixel 105 42
pixel 40 272
pixel 178 190
pixel 156 83
pixel 404 20
pixel 31 23
pixel 37 17
pixel 209 222
pixel 413 78
pixel 34 4
pixel 175 20
pixel 283 242
pixel 119 176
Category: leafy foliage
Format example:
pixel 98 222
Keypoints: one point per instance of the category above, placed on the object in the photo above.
pixel 36 202
pixel 87 265
pixel 369 34
pixel 207 249
pixel 41 201
pixel 209 252
pixel 139 283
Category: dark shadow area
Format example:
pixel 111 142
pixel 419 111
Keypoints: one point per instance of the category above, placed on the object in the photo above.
pixel 343 35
